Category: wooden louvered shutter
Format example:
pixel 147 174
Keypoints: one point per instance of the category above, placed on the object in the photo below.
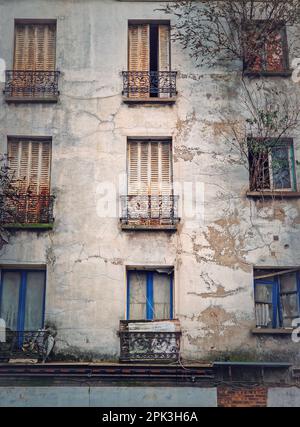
pixel 21 60
pixel 139 60
pixel 274 53
pixel 29 162
pixel 133 168
pixel 166 177
pixel 35 47
pixel 149 168
pixel 154 160
pixel 164 56
pixel 45 47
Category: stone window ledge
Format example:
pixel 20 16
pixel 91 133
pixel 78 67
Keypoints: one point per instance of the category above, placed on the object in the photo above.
pixel 285 73
pixel 35 226
pixel 272 331
pixel 29 99
pixel 150 100
pixel 273 194
pixel 149 227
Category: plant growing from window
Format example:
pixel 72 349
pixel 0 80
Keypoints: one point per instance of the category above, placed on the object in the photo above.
pixel 219 31
pixel 9 197
pixel 261 137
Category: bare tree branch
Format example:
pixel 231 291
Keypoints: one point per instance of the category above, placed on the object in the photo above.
pixel 213 31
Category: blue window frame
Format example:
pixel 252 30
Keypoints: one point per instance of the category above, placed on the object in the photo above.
pixel 22 299
pixel 149 295
pixel 277 300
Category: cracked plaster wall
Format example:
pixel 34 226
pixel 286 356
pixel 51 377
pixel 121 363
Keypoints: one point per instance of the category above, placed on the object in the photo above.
pixel 86 256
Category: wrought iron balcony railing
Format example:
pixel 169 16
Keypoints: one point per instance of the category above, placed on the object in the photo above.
pixel 144 84
pixel 27 209
pixel 142 340
pixel 33 85
pixel 153 210
pixel 26 345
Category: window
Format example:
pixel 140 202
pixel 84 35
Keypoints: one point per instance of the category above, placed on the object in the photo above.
pixel 149 167
pixel 150 201
pixel 35 46
pixel 22 299
pixel 266 48
pixel 30 163
pixel 272 164
pixel 149 60
pixel 150 294
pixel 33 77
pixel 277 297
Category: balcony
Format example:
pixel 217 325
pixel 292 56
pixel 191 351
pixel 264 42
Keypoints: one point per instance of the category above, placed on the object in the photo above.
pixel 149 212
pixel 31 86
pixel 144 341
pixel 28 211
pixel 26 345
pixel 149 86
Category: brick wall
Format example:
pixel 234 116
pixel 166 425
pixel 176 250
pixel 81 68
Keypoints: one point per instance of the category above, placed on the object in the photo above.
pixel 242 397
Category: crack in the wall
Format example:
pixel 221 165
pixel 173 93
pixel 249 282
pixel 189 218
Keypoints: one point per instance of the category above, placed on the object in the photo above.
pixel 219 293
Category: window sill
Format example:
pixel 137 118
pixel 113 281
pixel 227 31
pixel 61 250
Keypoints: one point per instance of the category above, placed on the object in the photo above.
pixel 286 73
pixel 35 226
pixel 272 331
pixel 149 100
pixel 30 99
pixel 273 194
pixel 149 227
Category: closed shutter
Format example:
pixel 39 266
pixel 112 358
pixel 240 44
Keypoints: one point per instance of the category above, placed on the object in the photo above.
pixel 139 60
pixel 149 168
pixel 30 165
pixel 274 53
pixel 164 58
pixel 35 47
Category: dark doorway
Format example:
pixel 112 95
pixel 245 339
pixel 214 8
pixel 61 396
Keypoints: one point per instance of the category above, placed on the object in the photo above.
pixel 154 60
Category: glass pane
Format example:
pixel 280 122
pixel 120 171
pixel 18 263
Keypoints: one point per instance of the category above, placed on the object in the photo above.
pixel 10 299
pixel 288 282
pixel 34 302
pixel 281 167
pixel 263 293
pixel 290 308
pixel 137 295
pixel 263 313
pixel 161 296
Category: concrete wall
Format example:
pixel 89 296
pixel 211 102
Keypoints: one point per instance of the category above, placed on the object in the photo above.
pixel 284 397
pixel 86 256
pixel 107 397
pixel 149 397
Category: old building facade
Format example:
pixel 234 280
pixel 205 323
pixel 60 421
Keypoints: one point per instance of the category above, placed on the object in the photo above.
pixel 153 217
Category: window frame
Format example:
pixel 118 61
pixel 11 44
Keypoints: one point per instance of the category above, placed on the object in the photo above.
pixel 22 293
pixel 150 22
pixel 149 294
pixel 38 139
pixel 277 310
pixel 26 21
pixel 287 143
pixel 282 30
pixel 162 140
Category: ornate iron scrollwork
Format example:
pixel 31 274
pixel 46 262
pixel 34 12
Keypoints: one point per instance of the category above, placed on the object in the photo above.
pixel 158 209
pixel 149 83
pixel 39 84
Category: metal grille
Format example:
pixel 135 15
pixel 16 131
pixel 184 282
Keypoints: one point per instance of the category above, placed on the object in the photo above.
pixel 39 84
pixel 28 209
pixel 148 345
pixel 149 83
pixel 158 209
pixel 24 345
